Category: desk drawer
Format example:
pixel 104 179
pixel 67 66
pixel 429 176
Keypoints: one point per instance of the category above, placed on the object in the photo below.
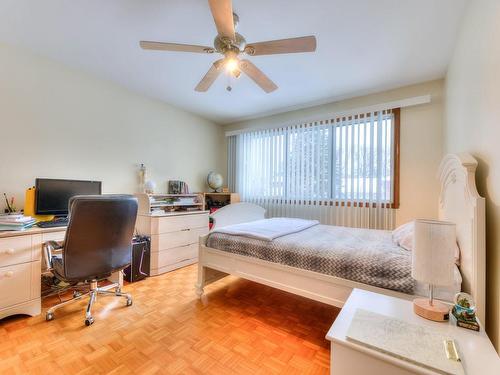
pixel 15 284
pixel 176 239
pixel 176 223
pixel 53 236
pixel 174 255
pixel 15 250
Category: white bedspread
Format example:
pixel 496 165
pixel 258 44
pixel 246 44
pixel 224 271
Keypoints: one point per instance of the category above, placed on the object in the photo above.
pixel 268 229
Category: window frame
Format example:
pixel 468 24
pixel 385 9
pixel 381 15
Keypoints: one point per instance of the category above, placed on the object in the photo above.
pixel 395 202
pixel 331 201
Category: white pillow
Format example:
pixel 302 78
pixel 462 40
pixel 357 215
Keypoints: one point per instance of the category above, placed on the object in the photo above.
pixel 403 237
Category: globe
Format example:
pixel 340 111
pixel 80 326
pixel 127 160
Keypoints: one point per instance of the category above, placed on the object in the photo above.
pixel 215 181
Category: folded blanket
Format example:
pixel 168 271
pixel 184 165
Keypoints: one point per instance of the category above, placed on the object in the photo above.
pixel 267 229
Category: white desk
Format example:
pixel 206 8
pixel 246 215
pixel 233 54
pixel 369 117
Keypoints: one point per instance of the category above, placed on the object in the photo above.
pixel 21 265
pixel 477 352
pixel 20 269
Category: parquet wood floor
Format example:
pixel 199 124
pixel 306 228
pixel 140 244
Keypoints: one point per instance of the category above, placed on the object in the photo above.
pixel 239 327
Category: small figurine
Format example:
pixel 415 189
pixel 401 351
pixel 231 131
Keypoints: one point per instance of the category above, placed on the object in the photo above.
pixel 464 312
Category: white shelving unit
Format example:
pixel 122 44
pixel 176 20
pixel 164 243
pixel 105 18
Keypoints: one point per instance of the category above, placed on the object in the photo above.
pixel 174 223
pixel 161 204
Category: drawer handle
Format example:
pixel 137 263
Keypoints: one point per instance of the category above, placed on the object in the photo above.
pixel 8 274
pixel 185 230
pixel 9 251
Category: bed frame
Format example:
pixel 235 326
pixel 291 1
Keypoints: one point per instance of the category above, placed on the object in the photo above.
pixel 459 202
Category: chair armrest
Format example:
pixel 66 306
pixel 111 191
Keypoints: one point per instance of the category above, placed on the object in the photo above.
pixel 55 245
pixel 51 247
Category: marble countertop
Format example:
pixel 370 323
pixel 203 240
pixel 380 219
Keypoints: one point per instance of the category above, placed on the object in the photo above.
pixel 477 353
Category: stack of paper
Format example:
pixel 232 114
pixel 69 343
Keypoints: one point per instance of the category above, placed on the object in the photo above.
pixel 16 222
pixel 186 201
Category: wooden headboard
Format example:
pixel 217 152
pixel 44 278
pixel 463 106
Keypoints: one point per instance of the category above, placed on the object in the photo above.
pixel 460 203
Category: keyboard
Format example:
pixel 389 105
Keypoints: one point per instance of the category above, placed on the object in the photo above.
pixel 62 222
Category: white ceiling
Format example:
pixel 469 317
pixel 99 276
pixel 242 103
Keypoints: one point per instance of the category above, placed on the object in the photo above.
pixel 363 46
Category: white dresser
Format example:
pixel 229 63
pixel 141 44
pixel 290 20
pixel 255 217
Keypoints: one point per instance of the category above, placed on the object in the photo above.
pixel 20 269
pixel 174 238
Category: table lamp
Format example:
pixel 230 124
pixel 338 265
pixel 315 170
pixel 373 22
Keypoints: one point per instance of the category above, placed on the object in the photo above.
pixel 433 262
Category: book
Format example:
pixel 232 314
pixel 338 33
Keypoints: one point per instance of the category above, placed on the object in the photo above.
pixel 14 228
pixel 16 222
pixel 17 219
pixel 11 216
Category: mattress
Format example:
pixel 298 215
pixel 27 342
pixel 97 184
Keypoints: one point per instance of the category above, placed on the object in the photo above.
pixel 363 255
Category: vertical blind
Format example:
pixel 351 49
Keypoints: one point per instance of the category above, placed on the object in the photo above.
pixel 341 171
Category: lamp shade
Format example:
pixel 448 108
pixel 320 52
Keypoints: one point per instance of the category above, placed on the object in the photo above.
pixel 433 252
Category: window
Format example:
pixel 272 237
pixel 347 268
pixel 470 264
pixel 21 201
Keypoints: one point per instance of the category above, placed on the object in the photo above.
pixel 344 161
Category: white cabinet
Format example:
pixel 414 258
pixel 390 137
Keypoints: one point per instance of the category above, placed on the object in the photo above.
pixel 174 238
pixel 20 260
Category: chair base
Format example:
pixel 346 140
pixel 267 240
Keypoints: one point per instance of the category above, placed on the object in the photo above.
pixel 92 293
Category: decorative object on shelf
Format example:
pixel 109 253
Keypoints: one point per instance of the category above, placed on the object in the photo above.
pixel 215 181
pixel 149 187
pixel 464 312
pixel 225 190
pixel 178 187
pixel 142 177
pixel 432 262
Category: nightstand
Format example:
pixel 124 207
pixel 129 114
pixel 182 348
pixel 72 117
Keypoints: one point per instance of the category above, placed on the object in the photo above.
pixel 346 357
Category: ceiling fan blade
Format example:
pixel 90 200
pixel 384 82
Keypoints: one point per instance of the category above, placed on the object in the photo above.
pixel 211 76
pixel 222 11
pixel 160 46
pixel 257 75
pixel 291 45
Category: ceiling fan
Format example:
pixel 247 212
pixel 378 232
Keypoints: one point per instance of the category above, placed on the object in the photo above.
pixel 232 45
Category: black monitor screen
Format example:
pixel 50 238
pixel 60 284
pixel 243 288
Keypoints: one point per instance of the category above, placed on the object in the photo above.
pixel 52 195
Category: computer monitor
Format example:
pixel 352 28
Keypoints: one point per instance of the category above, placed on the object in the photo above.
pixel 52 195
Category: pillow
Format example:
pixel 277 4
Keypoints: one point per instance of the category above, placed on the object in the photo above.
pixel 403 237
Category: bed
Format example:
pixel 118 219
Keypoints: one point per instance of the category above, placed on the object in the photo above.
pixel 294 262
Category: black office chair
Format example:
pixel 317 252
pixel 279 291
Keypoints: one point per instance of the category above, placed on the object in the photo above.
pixel 98 242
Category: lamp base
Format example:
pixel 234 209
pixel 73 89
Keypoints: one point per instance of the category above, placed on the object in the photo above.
pixel 438 312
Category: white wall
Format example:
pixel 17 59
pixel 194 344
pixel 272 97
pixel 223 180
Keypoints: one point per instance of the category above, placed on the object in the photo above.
pixel 421 142
pixel 473 125
pixel 61 123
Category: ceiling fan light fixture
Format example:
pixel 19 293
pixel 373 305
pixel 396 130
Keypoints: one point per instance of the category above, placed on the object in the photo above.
pixel 232 65
pixel 231 45
pixel 236 73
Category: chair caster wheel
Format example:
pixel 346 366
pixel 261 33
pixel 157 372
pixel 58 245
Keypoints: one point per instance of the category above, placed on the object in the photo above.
pixel 89 321
pixel 49 316
pixel 129 302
